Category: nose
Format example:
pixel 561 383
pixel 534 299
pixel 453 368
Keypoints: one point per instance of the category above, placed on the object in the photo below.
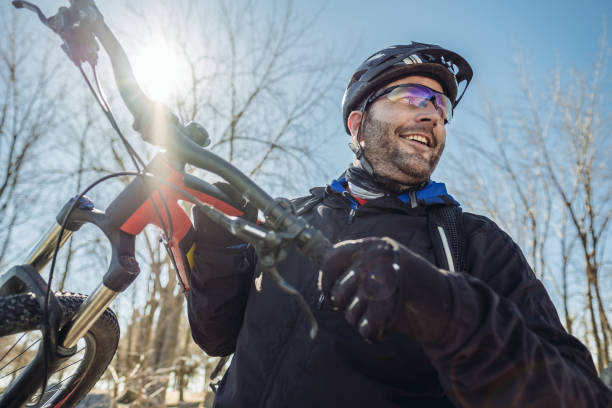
pixel 429 113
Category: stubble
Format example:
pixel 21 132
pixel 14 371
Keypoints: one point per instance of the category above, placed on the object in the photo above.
pixel 389 160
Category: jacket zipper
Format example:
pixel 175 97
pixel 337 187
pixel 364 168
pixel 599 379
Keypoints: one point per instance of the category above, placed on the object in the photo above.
pixel 413 199
pixel 354 205
pixel 447 251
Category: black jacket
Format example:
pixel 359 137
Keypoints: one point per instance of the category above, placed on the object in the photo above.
pixel 504 343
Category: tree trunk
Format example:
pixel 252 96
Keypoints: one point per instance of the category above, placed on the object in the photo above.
pixel 595 326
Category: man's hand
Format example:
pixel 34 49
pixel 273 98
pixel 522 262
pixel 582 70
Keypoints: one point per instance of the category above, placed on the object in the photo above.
pixel 382 285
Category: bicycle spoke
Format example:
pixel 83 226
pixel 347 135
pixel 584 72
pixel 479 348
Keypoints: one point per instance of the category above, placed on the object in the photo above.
pixel 19 355
pixel 56 386
pixel 66 366
pixel 52 388
pixel 12 347
pixel 56 371
pixel 68 379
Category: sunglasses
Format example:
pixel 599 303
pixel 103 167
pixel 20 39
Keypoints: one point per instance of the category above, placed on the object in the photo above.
pixel 418 96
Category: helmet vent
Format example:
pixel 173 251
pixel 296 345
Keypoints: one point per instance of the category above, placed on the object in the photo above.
pixel 397 61
pixel 376 56
pixel 356 76
pixel 412 59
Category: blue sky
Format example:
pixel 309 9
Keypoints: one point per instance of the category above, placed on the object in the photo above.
pixel 491 35
pixel 488 33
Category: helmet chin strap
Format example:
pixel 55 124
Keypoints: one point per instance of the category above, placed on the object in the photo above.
pixel 387 183
pixel 363 161
pixel 358 150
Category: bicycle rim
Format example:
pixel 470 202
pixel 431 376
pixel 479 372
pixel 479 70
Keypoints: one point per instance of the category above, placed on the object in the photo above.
pixel 21 337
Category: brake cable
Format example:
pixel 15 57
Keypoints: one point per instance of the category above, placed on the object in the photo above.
pixel 81 46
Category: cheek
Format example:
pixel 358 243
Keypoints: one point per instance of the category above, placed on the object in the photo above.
pixel 389 114
pixel 439 133
pixel 441 136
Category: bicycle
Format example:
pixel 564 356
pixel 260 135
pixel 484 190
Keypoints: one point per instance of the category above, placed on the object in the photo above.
pixel 72 323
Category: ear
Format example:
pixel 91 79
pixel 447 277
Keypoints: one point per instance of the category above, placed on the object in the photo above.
pixel 353 122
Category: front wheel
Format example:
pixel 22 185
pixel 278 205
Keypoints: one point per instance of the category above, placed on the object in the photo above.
pixel 20 337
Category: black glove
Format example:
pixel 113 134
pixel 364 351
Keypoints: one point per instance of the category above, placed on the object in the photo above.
pixel 211 234
pixel 382 285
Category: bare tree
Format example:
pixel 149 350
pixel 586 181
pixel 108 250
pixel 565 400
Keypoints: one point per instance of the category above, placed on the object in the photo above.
pixel 255 82
pixel 28 113
pixel 255 85
pixel 551 187
pixel 576 165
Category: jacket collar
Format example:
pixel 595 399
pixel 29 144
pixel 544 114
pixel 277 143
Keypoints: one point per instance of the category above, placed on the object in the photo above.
pixel 433 193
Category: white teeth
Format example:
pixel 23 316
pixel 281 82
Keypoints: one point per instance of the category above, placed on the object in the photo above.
pixel 418 138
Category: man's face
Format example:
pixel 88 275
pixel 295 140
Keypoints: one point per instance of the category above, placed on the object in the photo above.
pixel 390 132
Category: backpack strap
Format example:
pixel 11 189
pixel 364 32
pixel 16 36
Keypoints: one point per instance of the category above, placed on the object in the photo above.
pixel 448 236
pixel 445 229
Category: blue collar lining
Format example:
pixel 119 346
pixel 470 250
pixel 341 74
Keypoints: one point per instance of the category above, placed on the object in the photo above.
pixel 433 193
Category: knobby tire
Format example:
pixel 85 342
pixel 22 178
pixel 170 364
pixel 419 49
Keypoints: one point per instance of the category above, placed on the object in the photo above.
pixel 21 313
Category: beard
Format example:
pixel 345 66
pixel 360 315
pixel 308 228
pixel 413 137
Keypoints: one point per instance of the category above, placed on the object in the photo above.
pixel 393 164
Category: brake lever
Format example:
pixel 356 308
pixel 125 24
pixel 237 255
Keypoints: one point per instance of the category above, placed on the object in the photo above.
pixel 32 7
pixel 72 24
pixel 78 26
pixel 269 246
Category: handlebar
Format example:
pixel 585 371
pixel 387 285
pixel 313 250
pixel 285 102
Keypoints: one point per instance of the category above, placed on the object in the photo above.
pixel 172 135
pixel 78 26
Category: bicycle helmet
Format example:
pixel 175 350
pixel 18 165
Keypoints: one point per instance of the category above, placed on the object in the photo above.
pixel 398 61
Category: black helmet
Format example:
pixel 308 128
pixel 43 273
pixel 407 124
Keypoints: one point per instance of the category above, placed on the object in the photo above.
pixel 397 61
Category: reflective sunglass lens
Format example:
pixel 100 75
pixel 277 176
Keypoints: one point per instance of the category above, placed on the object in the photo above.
pixel 419 96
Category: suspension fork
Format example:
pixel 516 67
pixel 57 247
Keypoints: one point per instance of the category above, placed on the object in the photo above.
pixel 122 270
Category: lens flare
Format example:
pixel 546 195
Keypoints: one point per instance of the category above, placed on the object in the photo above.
pixel 160 71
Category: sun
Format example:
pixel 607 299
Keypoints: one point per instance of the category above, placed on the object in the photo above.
pixel 160 71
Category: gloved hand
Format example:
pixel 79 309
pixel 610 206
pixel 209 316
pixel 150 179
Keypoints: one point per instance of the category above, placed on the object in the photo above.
pixel 382 285
pixel 211 234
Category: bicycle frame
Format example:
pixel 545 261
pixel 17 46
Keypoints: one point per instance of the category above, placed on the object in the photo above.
pixel 130 212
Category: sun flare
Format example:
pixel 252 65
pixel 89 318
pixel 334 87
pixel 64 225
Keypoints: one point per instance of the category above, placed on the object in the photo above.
pixel 160 71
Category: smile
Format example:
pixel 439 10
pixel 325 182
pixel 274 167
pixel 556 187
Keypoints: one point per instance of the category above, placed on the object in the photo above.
pixel 417 138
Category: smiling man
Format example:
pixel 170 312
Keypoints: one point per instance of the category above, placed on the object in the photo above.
pixel 418 303
pixel 404 140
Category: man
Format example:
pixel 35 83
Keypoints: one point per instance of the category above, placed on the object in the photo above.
pixel 418 304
